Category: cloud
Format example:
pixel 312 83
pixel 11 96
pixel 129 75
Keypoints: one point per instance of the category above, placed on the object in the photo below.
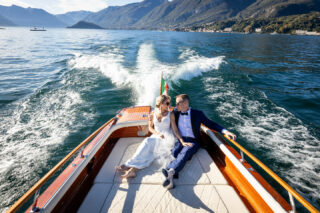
pixel 16 2
pixel 63 6
pixel 75 5
pixel 59 6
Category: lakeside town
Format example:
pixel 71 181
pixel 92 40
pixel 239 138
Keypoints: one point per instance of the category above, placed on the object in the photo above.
pixel 305 24
pixel 256 30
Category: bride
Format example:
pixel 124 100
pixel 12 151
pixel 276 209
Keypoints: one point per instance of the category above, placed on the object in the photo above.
pixel 159 144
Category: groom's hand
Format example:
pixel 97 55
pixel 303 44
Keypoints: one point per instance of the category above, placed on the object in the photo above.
pixel 187 144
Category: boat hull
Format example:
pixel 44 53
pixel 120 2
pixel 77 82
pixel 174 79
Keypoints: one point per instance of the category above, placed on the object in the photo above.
pixel 68 191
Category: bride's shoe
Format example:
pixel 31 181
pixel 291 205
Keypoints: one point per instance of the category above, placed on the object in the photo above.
pixel 122 168
pixel 129 174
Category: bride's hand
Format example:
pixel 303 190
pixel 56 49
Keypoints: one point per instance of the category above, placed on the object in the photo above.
pixel 161 136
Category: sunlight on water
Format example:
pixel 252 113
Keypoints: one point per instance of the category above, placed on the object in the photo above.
pixel 144 79
pixel 271 128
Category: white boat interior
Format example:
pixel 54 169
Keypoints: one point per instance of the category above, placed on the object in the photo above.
pixel 201 187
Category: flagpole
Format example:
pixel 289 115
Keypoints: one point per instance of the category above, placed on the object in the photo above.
pixel 161 83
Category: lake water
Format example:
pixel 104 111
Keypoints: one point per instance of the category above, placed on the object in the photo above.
pixel 58 86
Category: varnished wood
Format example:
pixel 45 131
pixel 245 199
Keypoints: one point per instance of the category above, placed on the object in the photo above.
pixel 44 179
pixel 247 193
pixel 276 178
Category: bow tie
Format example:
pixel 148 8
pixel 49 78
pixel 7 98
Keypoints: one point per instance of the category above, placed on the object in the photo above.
pixel 184 113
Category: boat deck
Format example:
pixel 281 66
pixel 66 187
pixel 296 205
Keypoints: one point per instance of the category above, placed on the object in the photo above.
pixel 201 187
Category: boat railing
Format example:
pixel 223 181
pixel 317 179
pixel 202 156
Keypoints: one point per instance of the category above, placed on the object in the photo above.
pixel 292 193
pixel 36 188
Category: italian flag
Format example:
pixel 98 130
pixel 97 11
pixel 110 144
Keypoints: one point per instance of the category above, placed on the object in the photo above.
pixel 164 87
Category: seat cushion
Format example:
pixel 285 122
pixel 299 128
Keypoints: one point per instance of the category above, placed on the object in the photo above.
pixel 184 198
pixel 199 170
pixel 201 187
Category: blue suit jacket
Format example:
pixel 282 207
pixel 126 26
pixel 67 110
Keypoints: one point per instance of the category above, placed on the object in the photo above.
pixel 198 118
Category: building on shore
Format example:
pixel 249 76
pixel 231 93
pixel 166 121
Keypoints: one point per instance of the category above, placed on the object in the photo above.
pixel 227 29
pixel 258 30
pixel 305 32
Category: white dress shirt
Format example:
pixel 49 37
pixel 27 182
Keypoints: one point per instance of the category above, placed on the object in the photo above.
pixel 184 125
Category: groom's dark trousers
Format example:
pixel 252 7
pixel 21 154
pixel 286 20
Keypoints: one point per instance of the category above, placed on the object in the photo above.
pixel 183 153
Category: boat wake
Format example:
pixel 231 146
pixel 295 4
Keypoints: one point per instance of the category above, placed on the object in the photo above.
pixel 144 77
pixel 279 138
pixel 31 133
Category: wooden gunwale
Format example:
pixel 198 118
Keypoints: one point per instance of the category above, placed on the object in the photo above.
pixel 247 193
pixel 44 179
pixel 305 203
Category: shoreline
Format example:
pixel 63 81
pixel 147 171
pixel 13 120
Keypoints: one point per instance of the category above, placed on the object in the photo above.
pixel 303 33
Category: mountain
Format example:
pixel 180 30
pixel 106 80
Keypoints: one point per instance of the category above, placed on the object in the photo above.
pixel 85 25
pixel 72 18
pixel 30 17
pixel 123 17
pixel 163 14
pixel 278 8
pixel 190 12
pixel 5 22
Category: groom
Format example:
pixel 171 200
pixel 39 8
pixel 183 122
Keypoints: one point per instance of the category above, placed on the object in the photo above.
pixel 188 122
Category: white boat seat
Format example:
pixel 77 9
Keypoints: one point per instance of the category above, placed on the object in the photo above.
pixel 201 187
pixel 154 198
pixel 200 170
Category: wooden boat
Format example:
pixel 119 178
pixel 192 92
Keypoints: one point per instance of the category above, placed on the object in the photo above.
pixel 217 179
pixel 38 29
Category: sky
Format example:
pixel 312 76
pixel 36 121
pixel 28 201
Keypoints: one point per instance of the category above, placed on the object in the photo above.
pixel 63 6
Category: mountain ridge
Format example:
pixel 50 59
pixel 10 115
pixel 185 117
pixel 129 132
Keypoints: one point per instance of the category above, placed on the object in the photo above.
pixel 71 18
pixel 161 14
pixel 164 14
pixel 30 16
pixel 112 17
pixel 84 25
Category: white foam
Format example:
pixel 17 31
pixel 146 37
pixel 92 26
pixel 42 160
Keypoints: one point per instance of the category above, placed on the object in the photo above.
pixel 263 125
pixel 109 64
pixel 30 134
pixel 145 77
pixel 196 65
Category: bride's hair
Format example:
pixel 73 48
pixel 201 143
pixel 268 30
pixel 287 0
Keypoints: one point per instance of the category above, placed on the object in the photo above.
pixel 160 99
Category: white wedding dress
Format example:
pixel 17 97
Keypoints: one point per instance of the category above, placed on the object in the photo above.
pixel 154 147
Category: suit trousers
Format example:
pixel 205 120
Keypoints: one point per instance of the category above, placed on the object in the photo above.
pixel 182 154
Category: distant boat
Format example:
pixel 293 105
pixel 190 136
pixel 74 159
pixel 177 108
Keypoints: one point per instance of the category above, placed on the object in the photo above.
pixel 1 28
pixel 37 29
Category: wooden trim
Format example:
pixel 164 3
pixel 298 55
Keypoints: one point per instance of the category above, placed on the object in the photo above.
pixel 247 193
pixel 305 203
pixel 43 180
pixel 72 200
